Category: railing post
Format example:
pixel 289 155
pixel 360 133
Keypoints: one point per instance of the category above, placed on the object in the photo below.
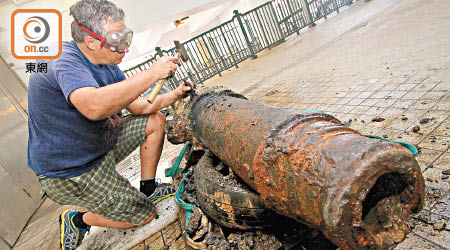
pixel 249 45
pixel 307 13
pixel 159 51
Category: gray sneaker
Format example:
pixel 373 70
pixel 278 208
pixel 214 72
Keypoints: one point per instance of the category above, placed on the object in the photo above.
pixel 162 191
pixel 71 235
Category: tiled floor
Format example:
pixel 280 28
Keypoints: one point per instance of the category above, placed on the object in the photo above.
pixel 388 59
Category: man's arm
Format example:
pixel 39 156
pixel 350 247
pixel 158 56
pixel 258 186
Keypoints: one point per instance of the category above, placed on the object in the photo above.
pixel 141 106
pixel 99 103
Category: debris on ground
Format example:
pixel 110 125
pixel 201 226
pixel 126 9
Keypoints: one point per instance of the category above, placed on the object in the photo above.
pixel 347 124
pixel 432 138
pixel 272 92
pixel 415 129
pixel 439 225
pixel 378 119
pixel 424 120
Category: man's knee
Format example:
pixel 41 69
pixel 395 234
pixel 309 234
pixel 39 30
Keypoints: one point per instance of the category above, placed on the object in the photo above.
pixel 156 123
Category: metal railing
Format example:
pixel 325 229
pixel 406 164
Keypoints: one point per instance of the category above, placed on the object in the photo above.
pixel 234 41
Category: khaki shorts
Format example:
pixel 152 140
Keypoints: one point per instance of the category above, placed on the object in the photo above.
pixel 102 190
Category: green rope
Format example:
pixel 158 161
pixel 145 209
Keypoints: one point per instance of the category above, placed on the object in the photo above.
pixel 313 111
pixel 188 208
pixel 410 147
pixel 175 168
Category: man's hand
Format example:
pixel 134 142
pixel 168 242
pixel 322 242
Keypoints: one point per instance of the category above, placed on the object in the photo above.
pixel 164 67
pixel 183 90
pixel 141 106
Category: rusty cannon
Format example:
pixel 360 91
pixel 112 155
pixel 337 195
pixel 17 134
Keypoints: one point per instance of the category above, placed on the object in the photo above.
pixel 308 166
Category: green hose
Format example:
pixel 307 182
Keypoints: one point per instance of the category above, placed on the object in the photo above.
pixel 175 168
pixel 188 208
pixel 410 147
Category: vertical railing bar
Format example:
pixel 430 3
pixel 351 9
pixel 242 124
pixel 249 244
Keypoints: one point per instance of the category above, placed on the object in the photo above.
pixel 280 32
pixel 174 79
pixel 229 48
pixel 270 24
pixel 204 64
pixel 216 52
pixel 294 16
pixel 316 10
pixel 223 51
pixel 199 50
pixel 300 13
pixel 263 28
pixel 239 39
pixel 324 11
pixel 258 25
pixel 235 39
pixel 336 7
pixel 272 14
pixel 212 57
pixel 194 61
pixel 267 28
pixel 227 39
pixel 230 37
pixel 218 44
pixel 225 46
pixel 284 17
pixel 256 31
pixel 291 26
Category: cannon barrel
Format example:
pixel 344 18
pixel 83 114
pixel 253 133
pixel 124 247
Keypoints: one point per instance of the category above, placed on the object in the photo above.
pixel 310 167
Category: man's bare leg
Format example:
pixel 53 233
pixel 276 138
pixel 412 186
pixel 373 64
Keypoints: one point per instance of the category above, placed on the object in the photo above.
pixel 151 149
pixel 92 219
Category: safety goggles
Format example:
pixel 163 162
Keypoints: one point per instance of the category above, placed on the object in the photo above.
pixel 116 41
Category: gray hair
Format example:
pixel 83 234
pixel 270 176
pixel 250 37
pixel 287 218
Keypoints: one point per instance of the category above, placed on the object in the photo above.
pixel 93 14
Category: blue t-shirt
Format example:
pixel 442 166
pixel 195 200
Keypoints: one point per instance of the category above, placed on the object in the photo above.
pixel 62 142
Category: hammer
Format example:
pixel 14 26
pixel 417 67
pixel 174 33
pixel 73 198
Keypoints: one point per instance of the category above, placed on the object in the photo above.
pixel 181 54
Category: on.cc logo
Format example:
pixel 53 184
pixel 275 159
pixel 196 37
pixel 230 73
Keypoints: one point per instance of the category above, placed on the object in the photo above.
pixel 36 34
pixel 39 26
